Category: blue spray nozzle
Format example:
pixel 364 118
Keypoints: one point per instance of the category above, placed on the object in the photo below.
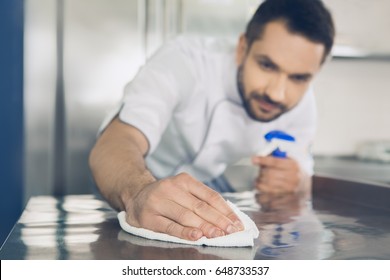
pixel 278 136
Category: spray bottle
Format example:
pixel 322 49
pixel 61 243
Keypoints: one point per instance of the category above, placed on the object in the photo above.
pixel 278 143
pixel 240 175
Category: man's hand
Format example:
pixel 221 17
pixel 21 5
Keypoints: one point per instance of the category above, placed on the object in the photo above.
pixel 183 207
pixel 279 175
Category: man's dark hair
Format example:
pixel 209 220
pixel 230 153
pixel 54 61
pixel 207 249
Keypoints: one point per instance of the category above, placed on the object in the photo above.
pixel 309 18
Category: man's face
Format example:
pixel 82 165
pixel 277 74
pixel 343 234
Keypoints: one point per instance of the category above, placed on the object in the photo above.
pixel 275 72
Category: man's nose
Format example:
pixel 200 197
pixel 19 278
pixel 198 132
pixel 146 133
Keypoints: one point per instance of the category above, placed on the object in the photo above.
pixel 276 89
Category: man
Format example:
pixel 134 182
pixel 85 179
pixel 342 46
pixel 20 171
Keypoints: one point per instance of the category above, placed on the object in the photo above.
pixel 197 107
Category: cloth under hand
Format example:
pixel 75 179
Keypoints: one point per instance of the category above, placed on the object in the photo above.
pixel 238 239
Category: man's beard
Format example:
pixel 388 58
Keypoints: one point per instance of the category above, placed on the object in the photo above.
pixel 258 97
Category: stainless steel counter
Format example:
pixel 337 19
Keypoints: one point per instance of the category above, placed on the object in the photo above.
pixel 344 220
pixel 353 168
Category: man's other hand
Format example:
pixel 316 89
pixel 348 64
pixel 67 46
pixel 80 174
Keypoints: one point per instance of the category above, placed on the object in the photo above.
pixel 278 175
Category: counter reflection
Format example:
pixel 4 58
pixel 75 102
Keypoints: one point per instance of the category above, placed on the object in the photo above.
pixel 292 226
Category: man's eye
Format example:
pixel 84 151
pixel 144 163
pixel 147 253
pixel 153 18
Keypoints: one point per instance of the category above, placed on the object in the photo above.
pixel 299 79
pixel 266 65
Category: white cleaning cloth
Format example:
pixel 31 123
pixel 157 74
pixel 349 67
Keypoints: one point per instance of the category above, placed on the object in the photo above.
pixel 237 239
pixel 185 251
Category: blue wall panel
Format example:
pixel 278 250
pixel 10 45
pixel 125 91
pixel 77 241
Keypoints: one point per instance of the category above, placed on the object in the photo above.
pixel 11 114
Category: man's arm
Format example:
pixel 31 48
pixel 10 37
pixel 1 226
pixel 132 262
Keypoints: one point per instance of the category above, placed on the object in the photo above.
pixel 180 205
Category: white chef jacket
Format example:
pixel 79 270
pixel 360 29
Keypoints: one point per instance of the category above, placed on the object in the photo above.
pixel 186 102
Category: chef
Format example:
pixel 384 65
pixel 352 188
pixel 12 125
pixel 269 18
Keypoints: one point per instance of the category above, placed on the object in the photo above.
pixel 200 105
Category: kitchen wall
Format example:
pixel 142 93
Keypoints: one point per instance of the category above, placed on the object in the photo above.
pixel 99 45
pixel 353 98
pixel 353 94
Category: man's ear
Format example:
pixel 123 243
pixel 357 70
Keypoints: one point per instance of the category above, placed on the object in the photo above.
pixel 241 49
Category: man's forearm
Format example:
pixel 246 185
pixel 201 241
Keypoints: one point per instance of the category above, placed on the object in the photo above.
pixel 178 205
pixel 118 166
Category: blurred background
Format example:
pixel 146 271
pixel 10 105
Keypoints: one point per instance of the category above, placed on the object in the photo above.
pixel 64 65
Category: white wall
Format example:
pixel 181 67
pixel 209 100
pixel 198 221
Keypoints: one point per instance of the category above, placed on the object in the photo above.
pixel 353 98
pixel 362 24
